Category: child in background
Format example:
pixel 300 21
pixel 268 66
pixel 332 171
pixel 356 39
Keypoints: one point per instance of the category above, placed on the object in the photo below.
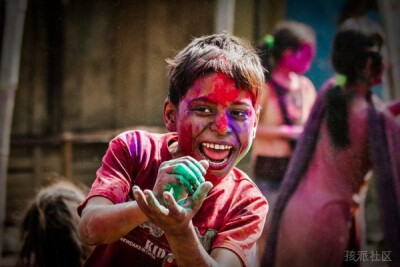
pixel 316 221
pixel 49 228
pixel 177 198
pixel 288 97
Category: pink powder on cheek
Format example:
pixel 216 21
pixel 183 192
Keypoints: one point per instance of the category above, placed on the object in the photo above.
pixel 305 56
pixel 300 60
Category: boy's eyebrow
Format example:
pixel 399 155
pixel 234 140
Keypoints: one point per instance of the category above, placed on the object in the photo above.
pixel 200 99
pixel 207 99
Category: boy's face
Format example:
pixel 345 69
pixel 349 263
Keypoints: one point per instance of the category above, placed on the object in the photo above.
pixel 215 121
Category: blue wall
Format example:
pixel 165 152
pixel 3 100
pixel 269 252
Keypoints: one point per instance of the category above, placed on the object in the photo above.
pixel 323 17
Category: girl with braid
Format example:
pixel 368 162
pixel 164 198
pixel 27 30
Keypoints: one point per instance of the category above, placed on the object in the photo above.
pixel 286 54
pixel 316 218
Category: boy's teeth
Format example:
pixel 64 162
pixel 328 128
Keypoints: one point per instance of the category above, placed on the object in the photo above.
pixel 216 153
pixel 217 146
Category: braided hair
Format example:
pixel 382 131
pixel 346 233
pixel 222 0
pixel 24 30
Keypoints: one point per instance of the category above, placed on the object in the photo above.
pixel 353 46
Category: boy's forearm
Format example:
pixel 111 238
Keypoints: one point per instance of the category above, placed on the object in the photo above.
pixel 107 223
pixel 187 248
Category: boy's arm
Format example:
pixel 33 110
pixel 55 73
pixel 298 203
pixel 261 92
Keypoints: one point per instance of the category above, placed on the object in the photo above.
pixel 188 251
pixel 176 222
pixel 104 222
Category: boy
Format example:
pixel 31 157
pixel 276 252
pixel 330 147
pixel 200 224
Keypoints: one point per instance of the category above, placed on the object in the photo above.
pixel 190 206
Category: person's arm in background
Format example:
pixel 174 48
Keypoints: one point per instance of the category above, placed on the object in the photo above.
pixel 271 109
pixel 309 95
pixel 281 131
pixel 394 107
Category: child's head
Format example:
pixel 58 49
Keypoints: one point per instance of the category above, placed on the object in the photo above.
pixel 357 44
pixel 291 45
pixel 49 228
pixel 357 57
pixel 222 53
pixel 213 104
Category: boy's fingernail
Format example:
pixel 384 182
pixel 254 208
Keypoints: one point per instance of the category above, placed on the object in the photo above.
pixel 205 163
pixel 166 196
pixel 208 185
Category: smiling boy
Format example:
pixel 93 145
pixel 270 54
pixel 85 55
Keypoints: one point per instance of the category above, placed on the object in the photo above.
pixel 189 205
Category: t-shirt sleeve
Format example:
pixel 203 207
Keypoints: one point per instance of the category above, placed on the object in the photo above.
pixel 114 177
pixel 244 226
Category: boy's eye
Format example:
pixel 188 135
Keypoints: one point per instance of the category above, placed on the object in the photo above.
pixel 203 110
pixel 239 114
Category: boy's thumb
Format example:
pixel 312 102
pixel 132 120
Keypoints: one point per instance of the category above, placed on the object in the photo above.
pixel 201 193
pixel 205 163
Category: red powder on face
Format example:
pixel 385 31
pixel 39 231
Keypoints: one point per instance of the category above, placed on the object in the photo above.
pixel 223 96
pixel 299 61
pixel 214 111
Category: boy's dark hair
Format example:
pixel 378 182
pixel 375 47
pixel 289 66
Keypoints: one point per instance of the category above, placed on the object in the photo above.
pixel 357 41
pixel 49 228
pixel 286 35
pixel 211 54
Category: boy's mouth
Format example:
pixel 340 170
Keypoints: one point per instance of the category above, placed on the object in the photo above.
pixel 216 154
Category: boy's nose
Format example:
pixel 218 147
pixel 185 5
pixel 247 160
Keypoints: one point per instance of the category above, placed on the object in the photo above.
pixel 221 124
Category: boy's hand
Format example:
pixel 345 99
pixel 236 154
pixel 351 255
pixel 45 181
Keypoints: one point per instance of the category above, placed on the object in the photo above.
pixel 171 217
pixel 181 177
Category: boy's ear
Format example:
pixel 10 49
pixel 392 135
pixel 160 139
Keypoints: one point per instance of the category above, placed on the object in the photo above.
pixel 169 115
pixel 256 122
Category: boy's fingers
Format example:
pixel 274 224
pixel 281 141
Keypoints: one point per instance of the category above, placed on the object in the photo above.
pixel 173 207
pixel 154 204
pixel 197 163
pixel 189 159
pixel 137 192
pixel 188 174
pixel 199 168
pixel 201 193
pixel 205 164
pixel 186 183
pixel 195 167
pixel 140 198
pixel 178 189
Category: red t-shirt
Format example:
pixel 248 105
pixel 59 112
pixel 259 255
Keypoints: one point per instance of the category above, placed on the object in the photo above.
pixel 232 216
